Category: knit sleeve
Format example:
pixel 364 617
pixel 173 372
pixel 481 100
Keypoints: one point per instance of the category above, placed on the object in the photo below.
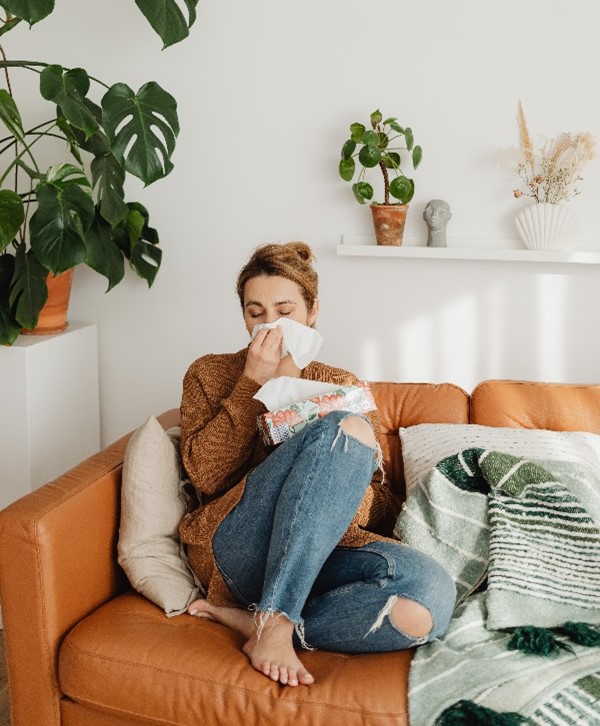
pixel 218 437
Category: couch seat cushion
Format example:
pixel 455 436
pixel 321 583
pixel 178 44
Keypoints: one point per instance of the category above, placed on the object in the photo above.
pixel 128 658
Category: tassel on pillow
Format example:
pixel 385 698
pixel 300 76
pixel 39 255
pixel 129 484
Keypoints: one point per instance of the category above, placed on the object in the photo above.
pixel 582 634
pixel 467 713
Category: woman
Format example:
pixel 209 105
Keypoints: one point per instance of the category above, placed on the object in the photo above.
pixel 284 531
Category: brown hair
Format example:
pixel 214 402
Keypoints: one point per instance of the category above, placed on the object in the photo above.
pixel 292 260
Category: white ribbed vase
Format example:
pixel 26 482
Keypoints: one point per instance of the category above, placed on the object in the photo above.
pixel 547 226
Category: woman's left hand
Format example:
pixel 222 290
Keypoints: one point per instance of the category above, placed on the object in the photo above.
pixel 287 367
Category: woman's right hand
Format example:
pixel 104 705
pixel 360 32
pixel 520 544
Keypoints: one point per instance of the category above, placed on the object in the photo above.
pixel 264 355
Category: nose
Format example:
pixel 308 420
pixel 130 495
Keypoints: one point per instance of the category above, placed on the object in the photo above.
pixel 271 316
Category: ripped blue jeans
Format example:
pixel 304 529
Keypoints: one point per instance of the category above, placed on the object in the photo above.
pixel 277 549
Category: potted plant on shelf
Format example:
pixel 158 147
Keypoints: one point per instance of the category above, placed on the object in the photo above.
pixel 53 219
pixel 375 147
pixel 549 173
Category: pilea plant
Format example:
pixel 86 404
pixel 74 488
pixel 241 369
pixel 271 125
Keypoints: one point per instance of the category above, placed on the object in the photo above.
pixel 52 219
pixel 375 147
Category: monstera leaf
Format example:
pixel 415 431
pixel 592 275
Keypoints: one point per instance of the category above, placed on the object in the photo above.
pixel 68 90
pixel 12 216
pixel 9 328
pixel 57 226
pixel 32 11
pixel 103 253
pixel 10 116
pixel 109 176
pixel 142 251
pixel 167 19
pixel 28 291
pixel 127 117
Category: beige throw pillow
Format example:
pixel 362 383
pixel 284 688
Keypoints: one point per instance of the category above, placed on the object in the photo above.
pixel 153 502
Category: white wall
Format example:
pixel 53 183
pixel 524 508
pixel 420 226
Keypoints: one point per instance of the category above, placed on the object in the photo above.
pixel 266 92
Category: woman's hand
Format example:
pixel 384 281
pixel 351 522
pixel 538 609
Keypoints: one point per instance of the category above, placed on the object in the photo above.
pixel 264 355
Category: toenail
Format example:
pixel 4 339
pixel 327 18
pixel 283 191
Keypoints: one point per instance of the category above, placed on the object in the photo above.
pixel 193 612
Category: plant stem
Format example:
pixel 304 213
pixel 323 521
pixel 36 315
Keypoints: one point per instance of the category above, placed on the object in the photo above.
pixel 30 66
pixel 386 182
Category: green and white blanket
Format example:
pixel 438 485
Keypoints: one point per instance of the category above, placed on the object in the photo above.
pixel 530 528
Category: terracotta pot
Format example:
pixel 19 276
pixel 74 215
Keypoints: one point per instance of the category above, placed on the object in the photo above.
pixel 53 316
pixel 389 220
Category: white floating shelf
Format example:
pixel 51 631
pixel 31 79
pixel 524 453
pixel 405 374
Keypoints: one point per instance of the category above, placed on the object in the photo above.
pixel 506 251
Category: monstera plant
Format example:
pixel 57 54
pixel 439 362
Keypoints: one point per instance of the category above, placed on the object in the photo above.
pixel 52 219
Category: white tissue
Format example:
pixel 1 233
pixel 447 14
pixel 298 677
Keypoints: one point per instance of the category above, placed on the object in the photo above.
pixel 281 392
pixel 300 341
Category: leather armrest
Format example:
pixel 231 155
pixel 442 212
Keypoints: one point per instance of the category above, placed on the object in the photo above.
pixel 58 563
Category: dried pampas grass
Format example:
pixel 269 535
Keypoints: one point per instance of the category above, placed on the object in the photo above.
pixel 551 172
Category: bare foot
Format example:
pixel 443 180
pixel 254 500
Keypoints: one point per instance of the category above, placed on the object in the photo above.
pixel 273 653
pixel 237 619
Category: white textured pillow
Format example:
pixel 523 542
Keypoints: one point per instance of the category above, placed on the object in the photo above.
pixel 152 505
pixel 424 445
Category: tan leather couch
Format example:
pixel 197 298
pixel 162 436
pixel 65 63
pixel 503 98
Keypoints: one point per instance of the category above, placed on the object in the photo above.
pixel 84 650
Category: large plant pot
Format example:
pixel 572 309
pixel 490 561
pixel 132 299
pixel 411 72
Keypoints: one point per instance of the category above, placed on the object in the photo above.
pixel 53 316
pixel 547 226
pixel 389 221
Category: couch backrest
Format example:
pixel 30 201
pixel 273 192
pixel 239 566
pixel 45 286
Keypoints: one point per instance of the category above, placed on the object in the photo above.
pixel 530 405
pixel 407 404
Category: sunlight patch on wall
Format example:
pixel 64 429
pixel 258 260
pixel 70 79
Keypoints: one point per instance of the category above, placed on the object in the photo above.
pixel 551 327
pixel 370 360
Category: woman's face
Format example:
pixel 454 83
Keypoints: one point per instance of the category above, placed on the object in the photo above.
pixel 269 297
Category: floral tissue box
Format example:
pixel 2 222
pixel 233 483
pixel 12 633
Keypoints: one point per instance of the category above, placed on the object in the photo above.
pixel 280 425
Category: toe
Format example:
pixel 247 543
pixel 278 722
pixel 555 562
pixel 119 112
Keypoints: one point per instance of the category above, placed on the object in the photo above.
pixel 265 667
pixel 274 674
pixel 305 678
pixel 283 675
pixel 193 608
pixel 292 678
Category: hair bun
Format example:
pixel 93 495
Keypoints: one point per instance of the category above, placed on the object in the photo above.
pixel 302 250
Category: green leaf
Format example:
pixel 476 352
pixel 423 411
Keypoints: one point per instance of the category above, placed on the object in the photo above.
pixel 12 216
pixel 28 292
pixel 145 257
pixel 383 140
pixel 103 253
pixel 408 135
pixel 369 156
pixel 376 118
pixel 402 188
pixel 61 174
pixel 362 191
pixel 109 176
pixel 31 11
pixel 9 328
pixel 68 89
pixel 10 116
pixel 396 126
pixel 97 144
pixel 346 169
pixel 69 133
pixel 370 138
pixel 391 159
pixel 348 149
pixel 417 155
pixel 388 121
pixel 128 116
pixel 57 226
pixel 167 20
pixel 356 132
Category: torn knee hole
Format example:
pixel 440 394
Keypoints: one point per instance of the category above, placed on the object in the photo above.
pixel 359 429
pixel 411 617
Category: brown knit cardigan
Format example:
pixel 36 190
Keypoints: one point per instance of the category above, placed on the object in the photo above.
pixel 220 446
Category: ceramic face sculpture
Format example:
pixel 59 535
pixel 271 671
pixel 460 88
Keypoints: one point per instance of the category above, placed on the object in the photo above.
pixel 436 215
